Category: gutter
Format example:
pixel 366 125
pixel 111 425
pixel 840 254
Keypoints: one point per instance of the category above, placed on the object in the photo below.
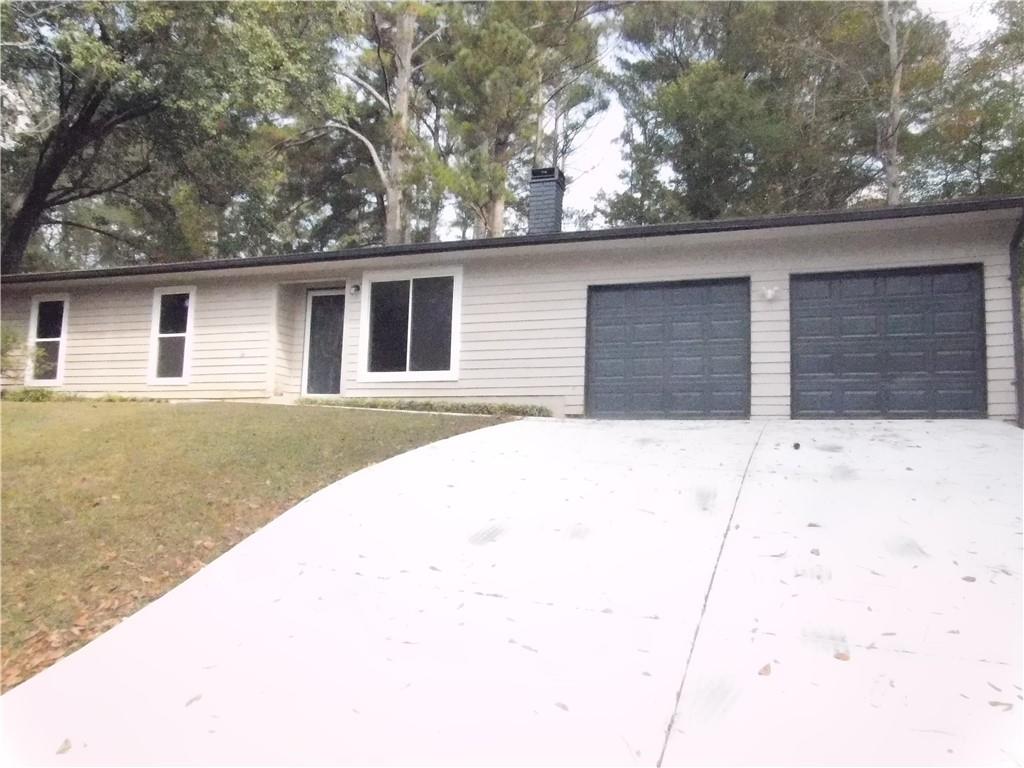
pixel 625 233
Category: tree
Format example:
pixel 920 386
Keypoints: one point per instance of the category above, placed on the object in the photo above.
pixel 110 92
pixel 513 62
pixel 383 72
pixel 770 107
pixel 974 143
pixel 914 51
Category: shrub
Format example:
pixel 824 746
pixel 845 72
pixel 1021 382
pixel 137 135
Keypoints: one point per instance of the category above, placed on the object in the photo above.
pixel 434 406
pixel 40 395
pixel 30 395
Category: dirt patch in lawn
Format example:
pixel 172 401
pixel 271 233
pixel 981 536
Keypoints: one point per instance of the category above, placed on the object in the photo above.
pixel 106 506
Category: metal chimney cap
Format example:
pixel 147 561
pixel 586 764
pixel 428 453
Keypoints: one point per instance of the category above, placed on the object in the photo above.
pixel 541 174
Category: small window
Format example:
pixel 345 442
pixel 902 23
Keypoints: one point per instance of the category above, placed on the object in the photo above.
pixel 411 330
pixel 46 340
pixel 172 327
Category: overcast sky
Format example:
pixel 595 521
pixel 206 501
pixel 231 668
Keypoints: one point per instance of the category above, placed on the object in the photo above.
pixel 595 167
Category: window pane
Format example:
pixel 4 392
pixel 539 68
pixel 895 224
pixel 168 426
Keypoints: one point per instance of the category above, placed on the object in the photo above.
pixel 389 325
pixel 431 324
pixel 49 320
pixel 45 363
pixel 174 313
pixel 170 360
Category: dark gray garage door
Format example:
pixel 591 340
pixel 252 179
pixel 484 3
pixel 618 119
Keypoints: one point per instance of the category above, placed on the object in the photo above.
pixel 893 344
pixel 669 350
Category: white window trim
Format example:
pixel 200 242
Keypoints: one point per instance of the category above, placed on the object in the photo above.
pixel 305 343
pixel 155 335
pixel 33 321
pixel 365 375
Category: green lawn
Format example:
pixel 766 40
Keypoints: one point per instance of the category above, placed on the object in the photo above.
pixel 108 505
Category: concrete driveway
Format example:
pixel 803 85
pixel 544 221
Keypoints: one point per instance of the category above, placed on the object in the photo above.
pixel 573 592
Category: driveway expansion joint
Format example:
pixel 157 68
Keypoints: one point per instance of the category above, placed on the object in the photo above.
pixel 707 595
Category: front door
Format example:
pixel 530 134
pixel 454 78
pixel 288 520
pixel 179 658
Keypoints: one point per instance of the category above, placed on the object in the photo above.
pixel 325 322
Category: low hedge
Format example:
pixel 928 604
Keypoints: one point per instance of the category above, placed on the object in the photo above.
pixel 433 406
pixel 41 395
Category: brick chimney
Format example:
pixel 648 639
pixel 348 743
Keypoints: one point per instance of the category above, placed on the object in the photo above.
pixel 547 185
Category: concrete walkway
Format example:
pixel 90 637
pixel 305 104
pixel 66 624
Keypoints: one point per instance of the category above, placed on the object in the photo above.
pixel 583 593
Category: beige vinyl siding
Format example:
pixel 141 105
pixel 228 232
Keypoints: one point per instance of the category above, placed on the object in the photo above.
pixel 109 338
pixel 524 318
pixel 291 323
pixel 523 312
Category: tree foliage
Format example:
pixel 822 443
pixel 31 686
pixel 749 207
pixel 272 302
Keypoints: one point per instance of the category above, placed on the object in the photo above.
pixel 147 131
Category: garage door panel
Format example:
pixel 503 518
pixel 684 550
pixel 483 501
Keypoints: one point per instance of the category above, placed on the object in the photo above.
pixel 813 362
pixel 728 329
pixel 687 365
pixel 958 321
pixel 953 283
pixel 728 364
pixel 906 285
pixel 810 289
pixel 856 287
pixel 859 400
pixel 860 325
pixel 956 361
pixel 906 324
pixel 610 368
pixel 908 361
pixel 608 333
pixel 860 363
pixel 909 400
pixel 890 343
pixel 686 331
pixel 683 349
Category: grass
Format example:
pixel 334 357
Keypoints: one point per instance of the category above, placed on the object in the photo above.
pixel 107 505
pixel 435 406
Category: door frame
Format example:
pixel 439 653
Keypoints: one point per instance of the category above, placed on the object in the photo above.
pixel 310 294
pixel 588 362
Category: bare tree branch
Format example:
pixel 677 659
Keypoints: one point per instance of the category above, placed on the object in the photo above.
pixel 386 103
pixel 426 39
pixel 97 230
pixel 374 156
pixel 65 196
pixel 380 59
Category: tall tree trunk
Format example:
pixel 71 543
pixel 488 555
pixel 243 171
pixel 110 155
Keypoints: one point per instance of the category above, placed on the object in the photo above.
pixel 434 189
pixel 434 218
pixel 538 138
pixel 395 219
pixel 893 122
pixel 494 224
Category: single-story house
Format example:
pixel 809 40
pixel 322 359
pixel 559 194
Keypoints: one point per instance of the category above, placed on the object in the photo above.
pixel 909 312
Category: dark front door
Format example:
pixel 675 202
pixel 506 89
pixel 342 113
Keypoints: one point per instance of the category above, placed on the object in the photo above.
pixel 669 350
pixel 900 343
pixel 323 353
